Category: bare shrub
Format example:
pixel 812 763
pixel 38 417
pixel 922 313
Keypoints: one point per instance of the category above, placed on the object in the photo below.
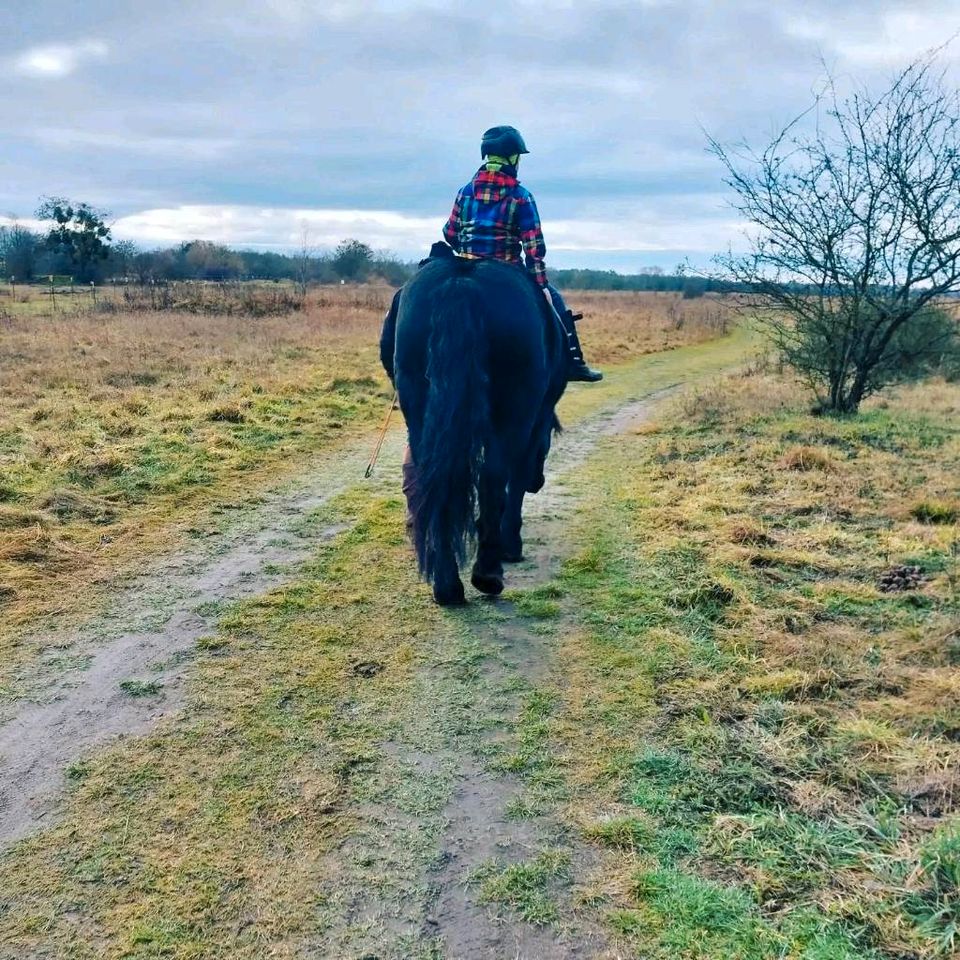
pixel 217 299
pixel 856 235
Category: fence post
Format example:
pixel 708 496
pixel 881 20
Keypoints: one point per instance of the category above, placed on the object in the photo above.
pixel 93 292
pixel 53 294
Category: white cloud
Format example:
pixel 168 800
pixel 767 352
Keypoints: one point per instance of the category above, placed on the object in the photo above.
pixel 57 59
pixel 894 37
pixel 27 223
pixel 902 35
pixel 180 147
pixel 239 226
pixel 642 234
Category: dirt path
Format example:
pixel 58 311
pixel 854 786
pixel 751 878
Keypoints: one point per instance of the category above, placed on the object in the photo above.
pixel 387 902
pixel 125 670
pixel 480 828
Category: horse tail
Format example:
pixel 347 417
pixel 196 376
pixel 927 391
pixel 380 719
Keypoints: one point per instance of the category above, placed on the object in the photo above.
pixel 455 425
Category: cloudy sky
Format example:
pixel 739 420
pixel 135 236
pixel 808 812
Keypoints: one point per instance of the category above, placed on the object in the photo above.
pixel 246 121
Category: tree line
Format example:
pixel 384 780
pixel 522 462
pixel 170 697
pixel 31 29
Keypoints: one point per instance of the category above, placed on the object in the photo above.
pixel 79 244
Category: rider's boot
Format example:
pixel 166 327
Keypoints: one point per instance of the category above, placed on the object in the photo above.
pixel 577 368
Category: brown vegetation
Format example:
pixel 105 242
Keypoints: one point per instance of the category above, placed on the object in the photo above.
pixel 118 426
pixel 618 326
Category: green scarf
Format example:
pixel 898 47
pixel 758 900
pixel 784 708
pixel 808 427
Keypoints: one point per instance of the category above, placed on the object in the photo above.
pixel 496 164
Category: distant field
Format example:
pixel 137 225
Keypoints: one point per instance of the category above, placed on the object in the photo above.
pixel 117 427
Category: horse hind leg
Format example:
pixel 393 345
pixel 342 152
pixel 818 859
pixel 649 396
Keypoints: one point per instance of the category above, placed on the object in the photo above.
pixel 447 585
pixel 487 574
pixel 510 537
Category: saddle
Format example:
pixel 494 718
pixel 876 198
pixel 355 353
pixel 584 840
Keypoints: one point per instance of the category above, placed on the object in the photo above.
pixel 439 251
pixel 443 251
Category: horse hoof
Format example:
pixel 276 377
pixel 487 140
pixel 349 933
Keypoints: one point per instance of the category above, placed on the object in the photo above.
pixel 487 583
pixel 452 596
pixel 513 557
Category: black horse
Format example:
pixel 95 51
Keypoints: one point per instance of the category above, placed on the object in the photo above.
pixel 479 366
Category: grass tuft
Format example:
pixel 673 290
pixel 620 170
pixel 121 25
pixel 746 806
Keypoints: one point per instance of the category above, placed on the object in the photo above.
pixel 226 413
pixel 620 833
pixel 805 459
pixel 935 512
pixel 141 688
pixel 524 887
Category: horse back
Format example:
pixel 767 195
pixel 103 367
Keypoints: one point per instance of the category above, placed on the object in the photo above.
pixel 522 343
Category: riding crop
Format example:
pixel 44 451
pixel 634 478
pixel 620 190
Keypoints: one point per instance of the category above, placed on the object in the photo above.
pixel 383 434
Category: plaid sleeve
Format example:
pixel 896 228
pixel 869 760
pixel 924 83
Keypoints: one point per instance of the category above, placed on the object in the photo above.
pixel 531 236
pixel 451 229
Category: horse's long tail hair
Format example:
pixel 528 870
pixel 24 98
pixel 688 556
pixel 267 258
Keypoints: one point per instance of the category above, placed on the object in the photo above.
pixel 455 425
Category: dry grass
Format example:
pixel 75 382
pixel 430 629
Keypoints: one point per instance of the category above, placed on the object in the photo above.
pixel 119 429
pixel 112 429
pixel 619 326
pixel 806 458
pixel 779 735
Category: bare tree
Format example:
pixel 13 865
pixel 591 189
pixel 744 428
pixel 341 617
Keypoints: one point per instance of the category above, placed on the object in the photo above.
pixel 303 258
pixel 856 232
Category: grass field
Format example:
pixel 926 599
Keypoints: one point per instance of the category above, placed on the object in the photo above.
pixel 717 717
pixel 119 430
pixel 757 715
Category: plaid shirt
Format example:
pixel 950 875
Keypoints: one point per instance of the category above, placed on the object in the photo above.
pixel 493 216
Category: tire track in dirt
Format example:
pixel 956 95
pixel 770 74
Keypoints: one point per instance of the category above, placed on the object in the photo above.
pixel 126 666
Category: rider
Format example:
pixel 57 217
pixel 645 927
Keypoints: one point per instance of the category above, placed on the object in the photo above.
pixel 494 217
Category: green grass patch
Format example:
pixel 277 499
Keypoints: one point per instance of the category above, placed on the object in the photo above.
pixel 936 905
pixel 141 688
pixel 540 603
pixel 756 715
pixel 526 888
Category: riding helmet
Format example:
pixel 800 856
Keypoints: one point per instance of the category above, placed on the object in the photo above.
pixel 502 142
